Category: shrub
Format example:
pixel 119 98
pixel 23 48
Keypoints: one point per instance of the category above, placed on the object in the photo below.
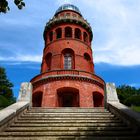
pixel 133 100
pixel 3 102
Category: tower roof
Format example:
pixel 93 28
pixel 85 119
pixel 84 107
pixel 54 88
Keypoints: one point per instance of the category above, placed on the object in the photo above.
pixel 68 7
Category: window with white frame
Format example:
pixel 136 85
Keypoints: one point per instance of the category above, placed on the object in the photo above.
pixel 67 61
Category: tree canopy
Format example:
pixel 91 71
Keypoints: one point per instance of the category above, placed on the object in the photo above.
pixel 4 6
pixel 6 93
pixel 128 95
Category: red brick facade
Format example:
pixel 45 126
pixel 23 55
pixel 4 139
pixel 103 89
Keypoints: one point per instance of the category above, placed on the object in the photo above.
pixel 67 76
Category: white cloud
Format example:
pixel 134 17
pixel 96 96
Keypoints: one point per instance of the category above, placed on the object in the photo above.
pixel 121 28
pixel 115 25
pixel 116 29
pixel 137 85
pixel 32 58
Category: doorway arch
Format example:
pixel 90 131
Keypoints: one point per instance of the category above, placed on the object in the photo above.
pixel 37 99
pixel 97 99
pixel 68 97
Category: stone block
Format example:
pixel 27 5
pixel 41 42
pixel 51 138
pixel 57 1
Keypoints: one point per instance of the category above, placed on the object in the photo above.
pixel 25 93
pixel 9 112
pixel 111 93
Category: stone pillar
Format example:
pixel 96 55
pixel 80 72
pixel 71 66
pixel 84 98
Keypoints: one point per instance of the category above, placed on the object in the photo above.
pixel 86 98
pixel 111 93
pixel 63 32
pixel 49 98
pixel 25 92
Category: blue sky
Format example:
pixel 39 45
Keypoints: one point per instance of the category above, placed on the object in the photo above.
pixel 116 41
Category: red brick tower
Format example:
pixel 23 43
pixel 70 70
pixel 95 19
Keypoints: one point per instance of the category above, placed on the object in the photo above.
pixel 67 76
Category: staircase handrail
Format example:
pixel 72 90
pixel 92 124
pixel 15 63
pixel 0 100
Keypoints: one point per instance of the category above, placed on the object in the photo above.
pixel 11 111
pixel 113 104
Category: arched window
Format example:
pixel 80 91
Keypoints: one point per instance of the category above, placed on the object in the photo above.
pixel 51 36
pixel 87 56
pixel 85 37
pixel 58 33
pixel 68 32
pixel 48 60
pixel 77 33
pixel 68 58
pixel 67 61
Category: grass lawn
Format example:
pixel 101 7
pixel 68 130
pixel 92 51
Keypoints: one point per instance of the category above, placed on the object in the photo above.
pixel 136 108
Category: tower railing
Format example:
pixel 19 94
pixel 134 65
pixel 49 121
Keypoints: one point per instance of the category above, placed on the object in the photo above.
pixel 80 19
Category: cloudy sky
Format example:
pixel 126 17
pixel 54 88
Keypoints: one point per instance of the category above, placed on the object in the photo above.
pixel 116 41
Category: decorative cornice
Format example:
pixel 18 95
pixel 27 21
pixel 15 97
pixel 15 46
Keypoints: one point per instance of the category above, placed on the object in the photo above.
pixel 49 79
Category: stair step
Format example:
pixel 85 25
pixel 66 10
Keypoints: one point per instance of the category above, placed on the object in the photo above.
pixel 67 113
pixel 73 138
pixel 68 118
pixel 67 124
pixel 67 133
pixel 71 109
pixel 80 128
pixel 68 121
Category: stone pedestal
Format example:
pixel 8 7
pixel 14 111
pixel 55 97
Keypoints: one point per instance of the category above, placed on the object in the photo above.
pixel 25 93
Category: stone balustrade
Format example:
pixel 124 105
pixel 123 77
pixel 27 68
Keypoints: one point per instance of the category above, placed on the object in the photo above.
pixel 125 113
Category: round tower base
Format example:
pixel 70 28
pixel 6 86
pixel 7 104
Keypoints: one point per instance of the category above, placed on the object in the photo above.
pixel 67 91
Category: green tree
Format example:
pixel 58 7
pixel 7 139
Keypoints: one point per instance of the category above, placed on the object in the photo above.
pixel 6 93
pixel 4 7
pixel 125 93
pixel 133 100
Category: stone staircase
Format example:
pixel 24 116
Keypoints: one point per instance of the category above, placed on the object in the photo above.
pixel 67 123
